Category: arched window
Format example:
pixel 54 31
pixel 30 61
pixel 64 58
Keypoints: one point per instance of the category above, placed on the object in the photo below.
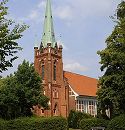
pixel 54 71
pixel 42 111
pixel 55 109
pixel 55 94
pixel 43 69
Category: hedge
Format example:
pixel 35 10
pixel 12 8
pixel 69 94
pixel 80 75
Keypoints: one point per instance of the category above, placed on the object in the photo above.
pixel 53 123
pixel 87 124
pixel 75 117
pixel 2 124
pixel 117 123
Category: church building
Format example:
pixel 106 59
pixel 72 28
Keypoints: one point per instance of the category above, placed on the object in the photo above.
pixel 66 90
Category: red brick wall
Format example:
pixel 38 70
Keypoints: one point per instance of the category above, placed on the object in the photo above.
pixel 72 103
pixel 47 57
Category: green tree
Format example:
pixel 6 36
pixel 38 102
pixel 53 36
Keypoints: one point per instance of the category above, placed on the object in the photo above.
pixel 9 34
pixel 111 93
pixel 20 92
pixel 75 118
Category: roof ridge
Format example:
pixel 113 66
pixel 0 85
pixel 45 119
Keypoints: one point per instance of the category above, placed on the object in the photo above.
pixel 80 74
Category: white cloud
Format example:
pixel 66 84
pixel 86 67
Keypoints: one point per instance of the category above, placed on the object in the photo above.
pixel 63 12
pixel 90 7
pixel 72 11
pixel 34 14
pixel 74 67
pixel 42 4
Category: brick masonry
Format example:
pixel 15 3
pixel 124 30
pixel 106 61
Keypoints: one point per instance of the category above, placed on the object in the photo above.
pixel 54 82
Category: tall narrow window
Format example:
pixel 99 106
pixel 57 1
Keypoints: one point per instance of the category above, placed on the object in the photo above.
pixel 54 71
pixel 80 106
pixel 91 108
pixel 43 69
pixel 55 109
pixel 55 94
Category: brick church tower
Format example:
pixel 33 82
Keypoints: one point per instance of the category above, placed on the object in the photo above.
pixel 48 63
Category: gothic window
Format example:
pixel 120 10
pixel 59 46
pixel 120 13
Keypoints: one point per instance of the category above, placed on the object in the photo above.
pixel 42 110
pixel 55 109
pixel 43 71
pixel 55 94
pixel 54 71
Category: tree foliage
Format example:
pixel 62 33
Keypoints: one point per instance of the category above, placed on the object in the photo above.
pixel 111 93
pixel 9 34
pixel 20 92
pixel 75 118
pixel 117 123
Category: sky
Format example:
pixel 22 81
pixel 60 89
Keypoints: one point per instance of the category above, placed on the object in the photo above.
pixel 81 26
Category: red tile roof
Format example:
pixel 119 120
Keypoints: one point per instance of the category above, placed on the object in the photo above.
pixel 82 85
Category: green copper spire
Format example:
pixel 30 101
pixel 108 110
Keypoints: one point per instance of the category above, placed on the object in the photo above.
pixel 48 30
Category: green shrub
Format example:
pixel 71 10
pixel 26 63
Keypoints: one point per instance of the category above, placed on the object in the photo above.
pixel 86 124
pixel 117 123
pixel 75 118
pixel 54 123
pixel 2 124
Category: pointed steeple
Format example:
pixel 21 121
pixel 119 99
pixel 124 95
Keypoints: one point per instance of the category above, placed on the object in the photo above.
pixel 48 30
